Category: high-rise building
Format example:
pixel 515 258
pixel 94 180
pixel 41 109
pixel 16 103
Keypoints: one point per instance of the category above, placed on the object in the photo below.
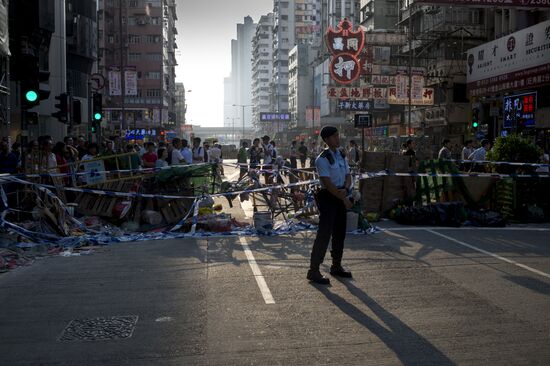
pixel 300 83
pixel 138 36
pixel 240 83
pixel 81 35
pixel 262 68
pixel 180 107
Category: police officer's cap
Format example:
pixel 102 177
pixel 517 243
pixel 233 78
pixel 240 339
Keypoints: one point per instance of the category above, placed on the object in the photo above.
pixel 328 131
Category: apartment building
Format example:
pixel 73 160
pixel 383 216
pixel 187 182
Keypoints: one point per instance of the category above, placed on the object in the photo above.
pixel 262 69
pixel 138 36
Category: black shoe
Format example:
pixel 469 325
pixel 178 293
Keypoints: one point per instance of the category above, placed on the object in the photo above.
pixel 339 272
pixel 317 277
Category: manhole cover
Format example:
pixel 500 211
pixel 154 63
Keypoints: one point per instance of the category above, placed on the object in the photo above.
pixel 99 329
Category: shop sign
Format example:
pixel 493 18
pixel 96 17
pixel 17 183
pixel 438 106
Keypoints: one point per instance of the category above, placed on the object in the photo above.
pixel 519 110
pixel 345 45
pixel 517 61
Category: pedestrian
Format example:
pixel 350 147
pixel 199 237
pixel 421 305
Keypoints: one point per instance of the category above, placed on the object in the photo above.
pixel 241 159
pixel 293 155
pixel 110 163
pixel 410 151
pixel 267 147
pixel 254 152
pixel 186 152
pixel 544 160
pixel 81 147
pixel 214 154
pixel 91 152
pixel 206 147
pixel 302 151
pixel 467 150
pixel 176 157
pixel 31 161
pixel 48 161
pixel 333 202
pixel 131 161
pixel 60 150
pixel 353 153
pixel 313 153
pixel 150 157
pixel 198 151
pixel 445 152
pixel 162 154
pixel 8 160
pixel 480 155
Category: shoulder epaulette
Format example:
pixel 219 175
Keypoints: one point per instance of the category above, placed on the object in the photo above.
pixel 327 155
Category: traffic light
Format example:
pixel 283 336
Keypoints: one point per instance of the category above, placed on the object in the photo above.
pixel 76 112
pixel 31 118
pixel 93 127
pixel 475 119
pixel 32 82
pixel 63 108
pixel 97 107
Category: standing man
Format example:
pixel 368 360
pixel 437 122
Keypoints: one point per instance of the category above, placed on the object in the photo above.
pixel 302 150
pixel 333 201
pixel 445 152
pixel 353 153
pixel 268 158
pixel 242 159
pixel 177 158
pixel 186 152
pixel 198 151
pixel 293 155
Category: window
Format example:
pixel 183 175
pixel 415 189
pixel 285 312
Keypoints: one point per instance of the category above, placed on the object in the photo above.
pixel 131 20
pixel 154 56
pixel 152 75
pixel 155 21
pixel 111 38
pixel 133 57
pixel 153 92
pixel 152 38
pixel 133 38
pixel 133 4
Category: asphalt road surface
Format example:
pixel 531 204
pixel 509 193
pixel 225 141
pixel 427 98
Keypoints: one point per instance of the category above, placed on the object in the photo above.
pixel 419 296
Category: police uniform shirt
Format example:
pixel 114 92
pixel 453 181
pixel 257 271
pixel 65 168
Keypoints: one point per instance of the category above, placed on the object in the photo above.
pixel 336 172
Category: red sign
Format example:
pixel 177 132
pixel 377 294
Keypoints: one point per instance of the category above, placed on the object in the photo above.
pixel 345 40
pixel 345 45
pixel 345 68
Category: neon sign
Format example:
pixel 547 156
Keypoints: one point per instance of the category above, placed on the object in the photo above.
pixel 345 45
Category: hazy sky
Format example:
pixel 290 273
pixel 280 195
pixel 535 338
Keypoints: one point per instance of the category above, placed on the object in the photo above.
pixel 205 29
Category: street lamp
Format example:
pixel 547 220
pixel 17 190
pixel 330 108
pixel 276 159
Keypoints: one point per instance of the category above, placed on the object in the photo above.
pixel 242 105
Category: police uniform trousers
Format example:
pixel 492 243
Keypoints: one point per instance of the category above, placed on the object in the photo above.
pixel 332 223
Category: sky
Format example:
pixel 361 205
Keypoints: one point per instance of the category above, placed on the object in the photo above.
pixel 205 30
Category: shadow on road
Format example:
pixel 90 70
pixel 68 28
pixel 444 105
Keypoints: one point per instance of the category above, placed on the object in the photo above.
pixel 410 347
pixel 531 283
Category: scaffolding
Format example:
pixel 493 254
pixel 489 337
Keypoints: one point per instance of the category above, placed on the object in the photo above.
pixel 4 96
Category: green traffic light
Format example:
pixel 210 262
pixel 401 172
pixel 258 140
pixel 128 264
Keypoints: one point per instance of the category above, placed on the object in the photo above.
pixel 31 96
pixel 97 116
pixel 475 124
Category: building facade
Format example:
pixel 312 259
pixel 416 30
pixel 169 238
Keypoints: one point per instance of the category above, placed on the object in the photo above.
pixel 238 87
pixel 262 69
pixel 138 37
pixel 300 84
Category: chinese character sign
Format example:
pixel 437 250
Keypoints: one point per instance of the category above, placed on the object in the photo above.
pixel 345 46
pixel 519 110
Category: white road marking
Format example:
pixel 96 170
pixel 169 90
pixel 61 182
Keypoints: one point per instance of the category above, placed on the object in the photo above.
pixel 530 269
pixel 260 280
pixel 466 228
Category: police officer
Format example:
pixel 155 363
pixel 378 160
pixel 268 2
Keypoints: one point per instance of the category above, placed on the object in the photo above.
pixel 333 202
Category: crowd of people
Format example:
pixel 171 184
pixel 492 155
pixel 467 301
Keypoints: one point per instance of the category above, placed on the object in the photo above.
pixel 43 156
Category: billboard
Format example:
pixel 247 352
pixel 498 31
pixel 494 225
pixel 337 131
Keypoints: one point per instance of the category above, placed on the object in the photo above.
pixel 4 36
pixel 517 61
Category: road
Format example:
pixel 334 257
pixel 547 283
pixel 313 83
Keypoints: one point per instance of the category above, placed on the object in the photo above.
pixel 419 296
